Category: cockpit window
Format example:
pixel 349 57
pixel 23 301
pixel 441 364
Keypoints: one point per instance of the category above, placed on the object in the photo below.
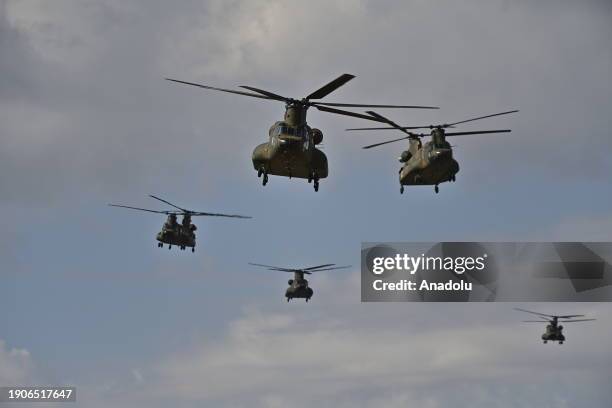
pixel 287 130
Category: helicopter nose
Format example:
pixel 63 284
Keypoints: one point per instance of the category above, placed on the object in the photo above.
pixel 440 154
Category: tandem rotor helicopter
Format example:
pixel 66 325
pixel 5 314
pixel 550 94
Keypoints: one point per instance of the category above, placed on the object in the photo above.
pixel 554 331
pixel 298 286
pixel 291 150
pixel 182 235
pixel 433 162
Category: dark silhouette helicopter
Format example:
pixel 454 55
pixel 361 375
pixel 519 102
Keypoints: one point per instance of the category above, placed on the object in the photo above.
pixel 173 233
pixel 431 163
pixel 298 286
pixel 291 150
pixel 554 331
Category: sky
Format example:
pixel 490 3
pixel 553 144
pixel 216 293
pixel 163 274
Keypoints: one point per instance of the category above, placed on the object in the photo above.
pixel 87 119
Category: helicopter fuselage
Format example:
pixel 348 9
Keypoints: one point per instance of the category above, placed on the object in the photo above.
pixel 180 234
pixel 428 164
pixel 553 333
pixel 291 152
pixel 298 288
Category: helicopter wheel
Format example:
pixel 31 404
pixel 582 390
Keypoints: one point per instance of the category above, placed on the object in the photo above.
pixel 260 172
pixel 192 249
pixel 545 341
pixel 401 189
pixel 288 299
pixel 307 300
pixel 560 342
pixel 316 185
pixel 436 189
pixel 169 246
pixel 159 245
pixel 265 179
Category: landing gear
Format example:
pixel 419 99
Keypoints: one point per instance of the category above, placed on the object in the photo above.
pixel 313 177
pixel 169 246
pixel 288 299
pixel 260 172
pixel 160 245
pixel 401 189
pixel 560 342
pixel 182 247
pixel 265 179
pixel 307 299
pixel 436 189
pixel 453 178
pixel 192 249
pixel 545 341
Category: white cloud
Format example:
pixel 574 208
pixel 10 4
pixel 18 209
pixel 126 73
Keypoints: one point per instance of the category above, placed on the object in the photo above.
pixel 295 360
pixel 15 365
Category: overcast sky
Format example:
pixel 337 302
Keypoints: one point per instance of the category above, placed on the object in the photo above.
pixel 87 119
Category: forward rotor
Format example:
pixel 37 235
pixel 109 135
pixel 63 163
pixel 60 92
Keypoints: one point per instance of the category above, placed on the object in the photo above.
pixel 551 318
pixel 411 135
pixel 320 93
pixel 179 211
pixel 307 271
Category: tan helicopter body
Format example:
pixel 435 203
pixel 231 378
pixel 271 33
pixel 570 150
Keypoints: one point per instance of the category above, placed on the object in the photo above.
pixel 291 152
pixel 181 235
pixel 298 286
pixel 431 163
pixel 554 330
pixel 418 160
pixel 291 149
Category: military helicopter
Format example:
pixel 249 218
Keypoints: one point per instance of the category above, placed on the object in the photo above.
pixel 298 286
pixel 432 163
pixel 173 233
pixel 554 331
pixel 291 149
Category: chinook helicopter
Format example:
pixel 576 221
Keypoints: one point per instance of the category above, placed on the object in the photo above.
pixel 433 162
pixel 554 331
pixel 291 149
pixel 173 233
pixel 298 286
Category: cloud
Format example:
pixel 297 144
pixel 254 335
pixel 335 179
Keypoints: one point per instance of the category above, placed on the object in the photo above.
pixel 15 365
pixel 271 358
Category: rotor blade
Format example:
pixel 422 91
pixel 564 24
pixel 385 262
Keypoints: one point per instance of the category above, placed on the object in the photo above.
pixel 477 132
pixel 169 203
pixel 389 141
pixel 333 268
pixel 535 313
pixel 346 113
pixel 197 213
pixel 141 209
pixel 375 128
pixel 577 320
pixel 569 316
pixel 535 321
pixel 389 121
pixel 219 89
pixel 266 93
pixel 358 105
pixel 330 87
pixel 478 118
pixel 316 267
pixel 274 268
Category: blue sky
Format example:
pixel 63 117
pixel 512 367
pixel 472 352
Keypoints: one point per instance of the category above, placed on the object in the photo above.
pixel 87 119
